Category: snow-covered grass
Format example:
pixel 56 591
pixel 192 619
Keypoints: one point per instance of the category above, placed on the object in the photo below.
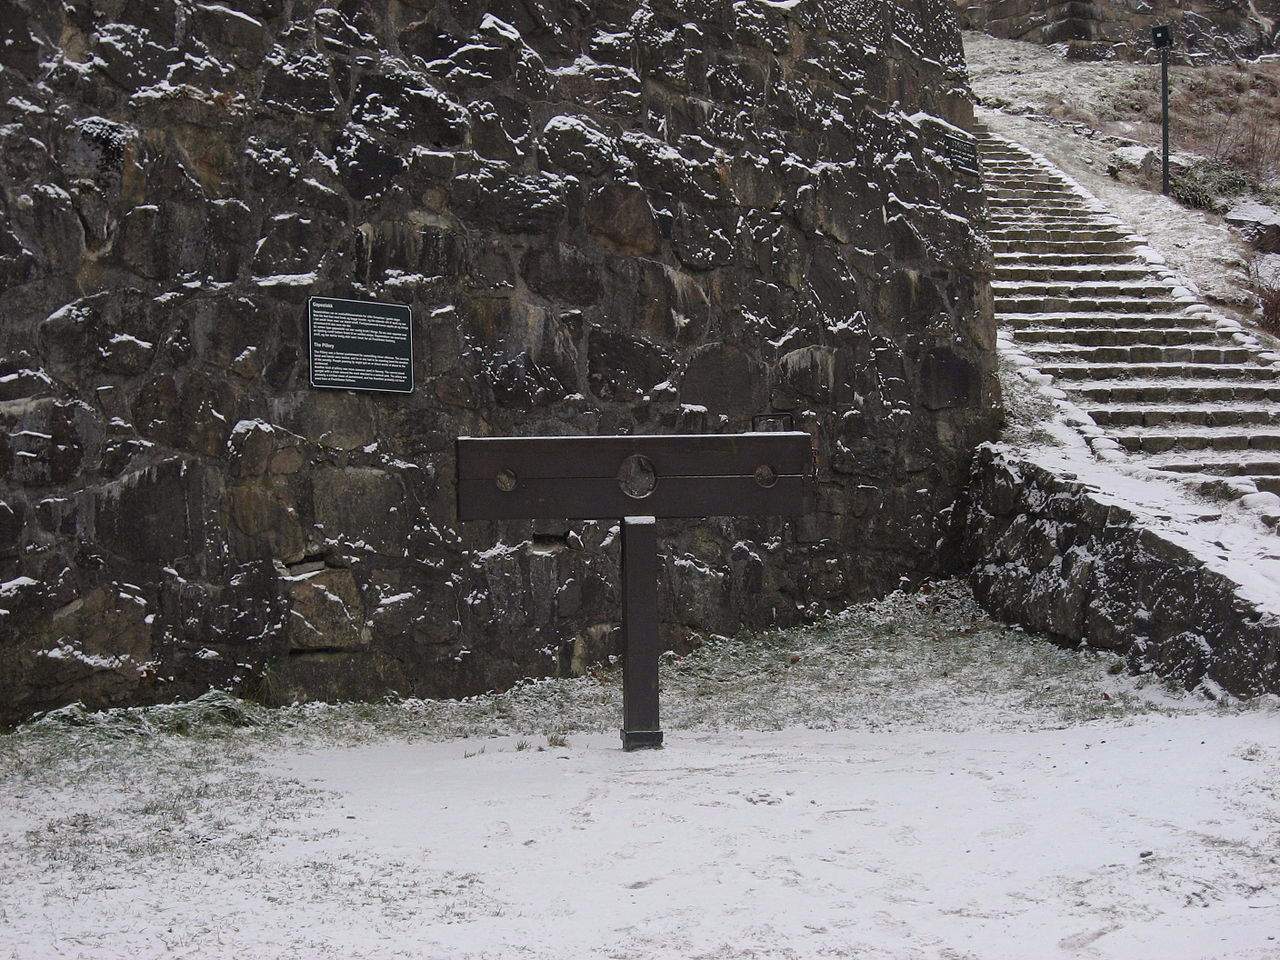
pixel 829 675
pixel 906 779
pixel 1027 411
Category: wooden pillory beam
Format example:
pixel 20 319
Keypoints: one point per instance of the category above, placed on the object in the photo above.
pixel 636 480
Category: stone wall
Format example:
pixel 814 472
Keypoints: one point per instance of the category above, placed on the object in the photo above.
pixel 1049 553
pixel 1102 29
pixel 607 218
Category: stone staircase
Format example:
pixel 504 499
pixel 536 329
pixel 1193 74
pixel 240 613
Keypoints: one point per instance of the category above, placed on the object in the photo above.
pixel 1156 372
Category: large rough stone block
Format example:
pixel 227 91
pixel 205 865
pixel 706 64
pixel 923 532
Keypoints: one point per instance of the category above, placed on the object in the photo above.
pixel 325 612
pixel 97 648
pixel 1258 223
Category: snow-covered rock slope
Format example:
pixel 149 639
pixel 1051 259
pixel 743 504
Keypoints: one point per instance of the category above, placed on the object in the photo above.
pixel 1202 29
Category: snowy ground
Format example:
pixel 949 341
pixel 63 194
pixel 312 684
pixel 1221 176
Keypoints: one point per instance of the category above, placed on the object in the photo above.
pixel 1031 79
pixel 908 780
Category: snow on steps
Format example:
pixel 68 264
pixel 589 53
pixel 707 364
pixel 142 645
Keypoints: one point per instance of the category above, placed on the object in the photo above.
pixel 1095 317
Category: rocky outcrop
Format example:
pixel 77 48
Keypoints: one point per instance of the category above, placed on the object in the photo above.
pixel 607 218
pixel 1257 223
pixel 1105 29
pixel 1051 553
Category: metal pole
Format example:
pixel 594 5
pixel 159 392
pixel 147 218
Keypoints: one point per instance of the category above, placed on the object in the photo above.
pixel 640 728
pixel 1164 118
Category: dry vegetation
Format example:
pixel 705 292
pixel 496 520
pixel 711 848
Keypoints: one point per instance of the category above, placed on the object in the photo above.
pixel 1266 284
pixel 1226 113
pixel 1229 115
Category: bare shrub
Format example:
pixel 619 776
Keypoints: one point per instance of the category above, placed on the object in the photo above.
pixel 1266 284
pixel 1231 113
pixel 1226 112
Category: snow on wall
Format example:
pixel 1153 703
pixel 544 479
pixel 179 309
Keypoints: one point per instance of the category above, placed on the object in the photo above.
pixel 607 218
pixel 1051 552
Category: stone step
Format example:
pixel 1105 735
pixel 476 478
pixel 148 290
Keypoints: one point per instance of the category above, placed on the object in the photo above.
pixel 1017 322
pixel 998 182
pixel 1045 214
pixel 1069 203
pixel 1056 221
pixel 1054 233
pixel 1065 305
pixel 1018 171
pixel 1024 257
pixel 1057 259
pixel 1032 197
pixel 1116 245
pixel 1165 439
pixel 1049 274
pixel 1012 176
pixel 1261 467
pixel 1109 337
pixel 1246 463
pixel 1066 203
pixel 1139 353
pixel 1076 372
pixel 1041 214
pixel 1057 204
pixel 1073 225
pixel 1200 415
pixel 1175 392
pixel 1091 287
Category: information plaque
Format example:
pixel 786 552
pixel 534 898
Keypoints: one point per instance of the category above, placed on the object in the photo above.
pixel 360 344
pixel 962 153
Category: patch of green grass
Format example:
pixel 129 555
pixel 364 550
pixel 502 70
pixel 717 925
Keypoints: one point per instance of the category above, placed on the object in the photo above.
pixel 1212 185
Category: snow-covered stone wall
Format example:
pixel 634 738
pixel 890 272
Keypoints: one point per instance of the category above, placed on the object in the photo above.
pixel 606 217
pixel 1106 29
pixel 1048 552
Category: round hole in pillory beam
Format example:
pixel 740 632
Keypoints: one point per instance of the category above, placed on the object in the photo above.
pixel 636 476
pixel 765 475
pixel 505 480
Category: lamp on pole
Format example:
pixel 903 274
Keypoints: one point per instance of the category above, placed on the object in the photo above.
pixel 1162 40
